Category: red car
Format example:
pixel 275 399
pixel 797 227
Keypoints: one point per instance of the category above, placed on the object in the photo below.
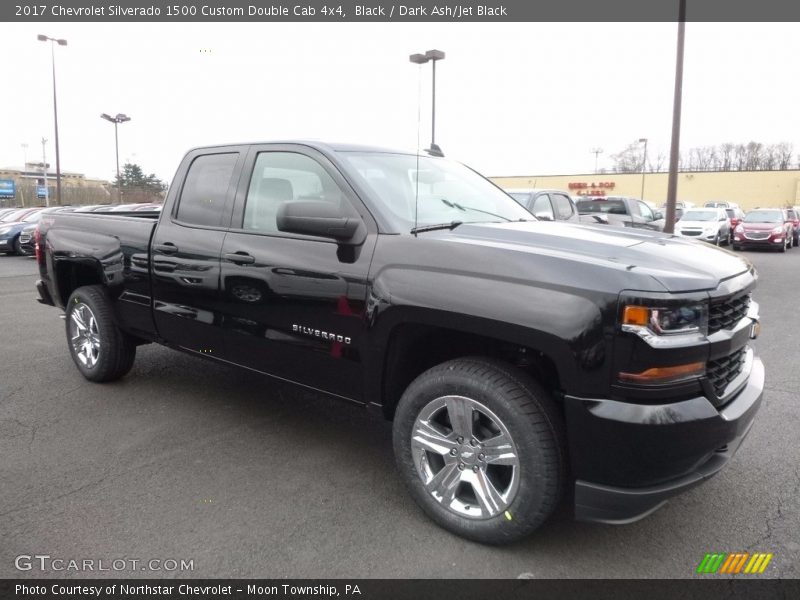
pixel 764 228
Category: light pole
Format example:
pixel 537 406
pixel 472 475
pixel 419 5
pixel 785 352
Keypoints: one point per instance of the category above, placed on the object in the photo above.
pixel 421 59
pixel 44 171
pixel 596 152
pixel 53 41
pixel 120 118
pixel 644 162
pixel 24 170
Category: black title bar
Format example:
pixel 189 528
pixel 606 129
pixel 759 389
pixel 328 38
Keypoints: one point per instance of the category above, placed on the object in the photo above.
pixel 710 588
pixel 333 11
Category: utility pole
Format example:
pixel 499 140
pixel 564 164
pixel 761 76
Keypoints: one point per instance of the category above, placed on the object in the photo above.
pixel 672 186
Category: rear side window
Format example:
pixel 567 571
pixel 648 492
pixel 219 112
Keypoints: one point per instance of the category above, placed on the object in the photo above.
pixel 203 196
pixel 563 206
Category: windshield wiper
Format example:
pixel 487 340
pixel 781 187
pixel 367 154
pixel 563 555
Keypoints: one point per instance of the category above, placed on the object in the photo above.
pixel 452 204
pixel 424 228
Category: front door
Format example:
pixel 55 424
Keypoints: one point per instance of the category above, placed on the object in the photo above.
pixel 294 304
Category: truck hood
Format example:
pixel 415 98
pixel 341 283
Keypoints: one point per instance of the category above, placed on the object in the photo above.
pixel 699 224
pixel 677 264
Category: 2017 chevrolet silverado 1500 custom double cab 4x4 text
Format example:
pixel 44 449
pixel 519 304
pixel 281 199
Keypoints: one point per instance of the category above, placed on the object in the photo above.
pixel 517 359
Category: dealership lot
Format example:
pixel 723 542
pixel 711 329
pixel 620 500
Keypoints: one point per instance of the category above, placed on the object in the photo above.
pixel 188 460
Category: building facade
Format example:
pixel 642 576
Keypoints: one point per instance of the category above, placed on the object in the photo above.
pixel 748 189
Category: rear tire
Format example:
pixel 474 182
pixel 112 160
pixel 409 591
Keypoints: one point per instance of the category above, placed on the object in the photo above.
pixel 481 447
pixel 101 351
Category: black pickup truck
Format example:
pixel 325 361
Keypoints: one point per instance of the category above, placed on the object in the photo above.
pixel 521 362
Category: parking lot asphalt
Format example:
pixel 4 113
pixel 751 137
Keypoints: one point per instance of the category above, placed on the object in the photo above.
pixel 187 459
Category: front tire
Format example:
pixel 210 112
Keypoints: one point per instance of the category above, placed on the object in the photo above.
pixel 481 447
pixel 101 351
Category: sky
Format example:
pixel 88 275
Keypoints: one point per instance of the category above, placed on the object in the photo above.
pixel 512 98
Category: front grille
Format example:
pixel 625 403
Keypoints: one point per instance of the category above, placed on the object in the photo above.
pixel 721 372
pixel 725 314
pixel 684 232
pixel 754 235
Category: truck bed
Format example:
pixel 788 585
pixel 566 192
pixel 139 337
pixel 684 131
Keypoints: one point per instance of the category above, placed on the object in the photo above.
pixel 113 248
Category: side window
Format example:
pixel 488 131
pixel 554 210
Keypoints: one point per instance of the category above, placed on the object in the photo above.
pixel 563 206
pixel 202 200
pixel 280 177
pixel 541 208
pixel 645 211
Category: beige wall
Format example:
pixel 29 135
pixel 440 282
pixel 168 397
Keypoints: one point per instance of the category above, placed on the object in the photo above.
pixel 748 189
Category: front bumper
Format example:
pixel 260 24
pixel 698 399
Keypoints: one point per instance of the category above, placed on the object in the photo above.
pixel 770 242
pixel 656 451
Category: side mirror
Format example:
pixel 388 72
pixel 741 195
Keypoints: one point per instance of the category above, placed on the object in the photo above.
pixel 543 216
pixel 658 215
pixel 322 219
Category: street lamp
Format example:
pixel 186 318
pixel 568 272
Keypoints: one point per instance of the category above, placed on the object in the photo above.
pixel 44 173
pixel 421 59
pixel 120 118
pixel 596 152
pixel 53 41
pixel 644 162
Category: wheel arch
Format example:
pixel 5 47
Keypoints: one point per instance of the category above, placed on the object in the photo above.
pixel 413 344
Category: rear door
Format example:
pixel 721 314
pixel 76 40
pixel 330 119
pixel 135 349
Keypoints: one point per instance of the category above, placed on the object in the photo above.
pixel 185 251
pixel 294 305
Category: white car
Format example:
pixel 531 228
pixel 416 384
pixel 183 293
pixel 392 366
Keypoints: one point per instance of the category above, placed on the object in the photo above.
pixel 707 224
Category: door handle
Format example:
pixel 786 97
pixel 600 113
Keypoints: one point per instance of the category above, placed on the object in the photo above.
pixel 166 248
pixel 240 258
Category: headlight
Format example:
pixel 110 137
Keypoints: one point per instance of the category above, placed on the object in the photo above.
pixel 776 230
pixel 739 229
pixel 687 319
pixel 5 230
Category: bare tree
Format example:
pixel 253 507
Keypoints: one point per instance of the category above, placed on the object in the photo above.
pixel 740 157
pixel 656 163
pixel 769 158
pixel 629 160
pixel 753 156
pixel 726 156
pixel 784 155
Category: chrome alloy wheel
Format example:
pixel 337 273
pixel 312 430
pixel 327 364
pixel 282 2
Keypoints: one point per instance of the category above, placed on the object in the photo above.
pixel 84 335
pixel 466 457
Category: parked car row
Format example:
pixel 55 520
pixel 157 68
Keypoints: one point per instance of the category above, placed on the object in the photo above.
pixel 17 225
pixel 717 222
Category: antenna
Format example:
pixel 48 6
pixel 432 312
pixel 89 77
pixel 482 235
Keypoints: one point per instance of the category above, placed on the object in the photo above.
pixel 419 121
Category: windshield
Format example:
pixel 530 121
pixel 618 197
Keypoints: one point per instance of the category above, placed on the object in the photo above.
pixel 34 216
pixel 699 215
pixel 13 217
pixel 614 207
pixel 448 191
pixel 764 216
